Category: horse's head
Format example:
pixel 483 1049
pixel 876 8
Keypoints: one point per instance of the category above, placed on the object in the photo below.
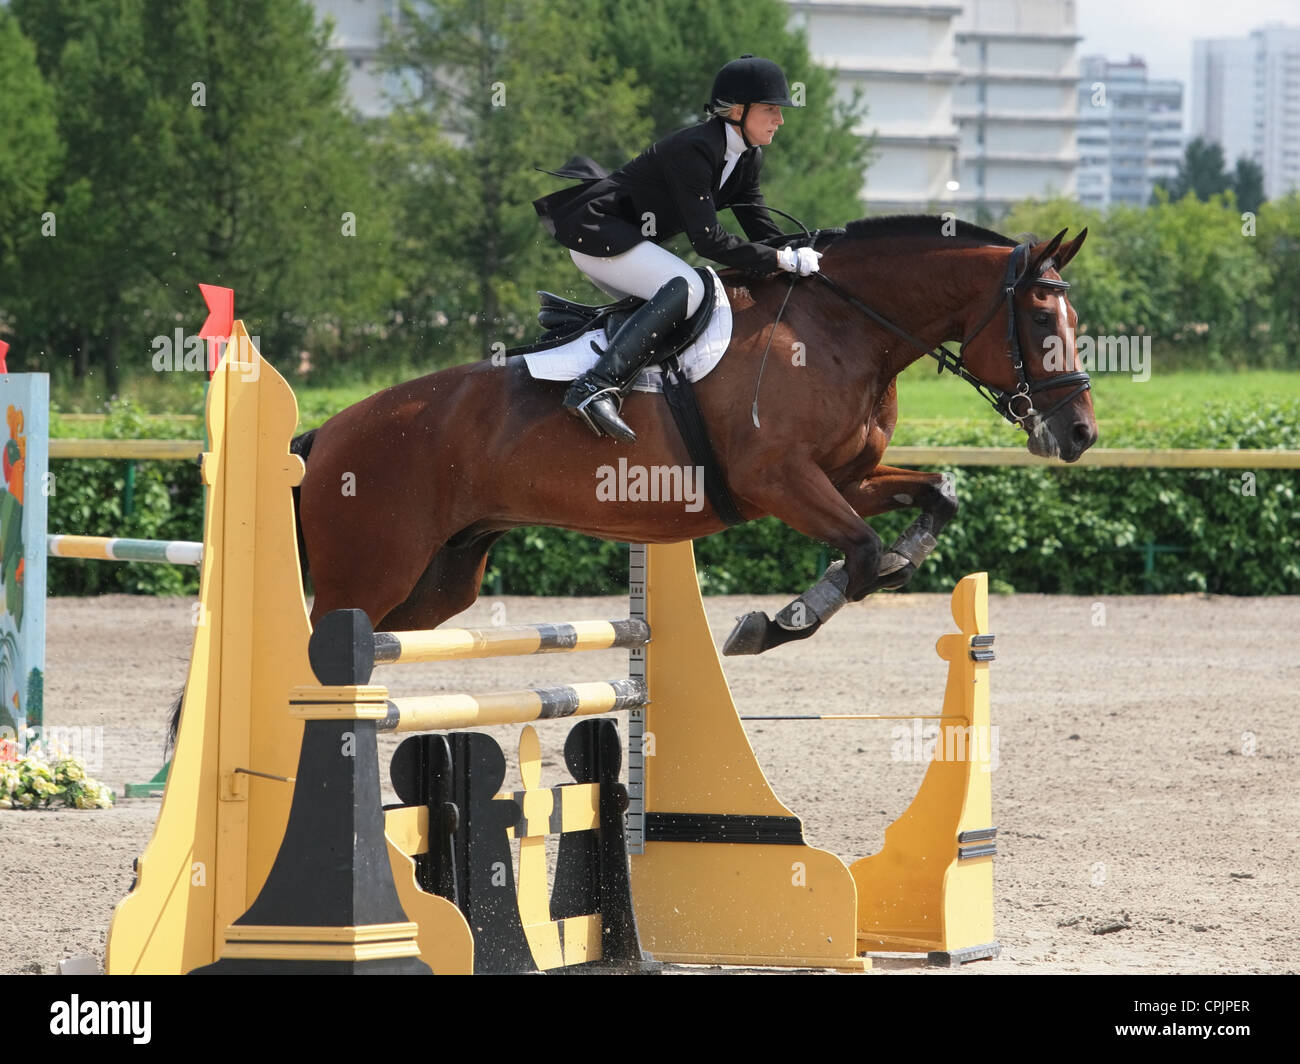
pixel 1023 350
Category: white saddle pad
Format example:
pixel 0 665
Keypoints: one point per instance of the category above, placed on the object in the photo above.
pixel 571 360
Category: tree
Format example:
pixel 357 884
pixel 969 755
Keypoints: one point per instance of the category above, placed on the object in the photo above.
pixel 1179 272
pixel 29 157
pixel 506 85
pixel 499 86
pixel 1279 247
pixel 1248 184
pixel 206 140
pixel 1200 173
pixel 814 168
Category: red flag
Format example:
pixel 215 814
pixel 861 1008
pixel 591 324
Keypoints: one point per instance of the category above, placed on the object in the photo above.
pixel 4 350
pixel 220 321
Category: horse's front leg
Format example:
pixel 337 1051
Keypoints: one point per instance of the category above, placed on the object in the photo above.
pixel 888 488
pixel 801 495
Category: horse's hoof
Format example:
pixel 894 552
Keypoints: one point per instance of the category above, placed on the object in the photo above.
pixel 748 637
pixel 893 576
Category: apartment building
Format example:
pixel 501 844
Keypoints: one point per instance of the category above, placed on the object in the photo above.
pixel 1130 131
pixel 1246 98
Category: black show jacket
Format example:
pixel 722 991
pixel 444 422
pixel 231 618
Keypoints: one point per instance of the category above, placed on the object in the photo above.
pixel 676 181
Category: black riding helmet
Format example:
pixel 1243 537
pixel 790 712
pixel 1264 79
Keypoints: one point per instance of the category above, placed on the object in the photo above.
pixel 750 80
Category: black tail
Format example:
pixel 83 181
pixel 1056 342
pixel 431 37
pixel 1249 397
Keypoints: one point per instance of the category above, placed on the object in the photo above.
pixel 174 727
pixel 301 446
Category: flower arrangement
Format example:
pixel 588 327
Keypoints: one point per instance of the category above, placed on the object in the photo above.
pixel 38 780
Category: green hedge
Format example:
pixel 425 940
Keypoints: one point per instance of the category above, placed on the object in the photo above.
pixel 89 500
pixel 1056 530
pixel 1052 530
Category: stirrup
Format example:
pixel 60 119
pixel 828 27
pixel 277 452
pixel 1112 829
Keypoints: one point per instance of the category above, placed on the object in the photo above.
pixel 581 408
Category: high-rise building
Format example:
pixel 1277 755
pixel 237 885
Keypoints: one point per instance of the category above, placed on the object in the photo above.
pixel 1015 102
pixel 1246 99
pixel 1130 131
pixel 358 34
pixel 971 102
pixel 901 55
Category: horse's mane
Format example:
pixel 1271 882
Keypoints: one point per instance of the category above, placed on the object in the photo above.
pixel 921 225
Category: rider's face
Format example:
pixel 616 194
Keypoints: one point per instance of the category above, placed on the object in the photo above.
pixel 762 122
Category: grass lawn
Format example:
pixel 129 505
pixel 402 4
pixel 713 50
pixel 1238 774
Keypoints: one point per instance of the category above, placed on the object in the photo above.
pixel 926 399
pixel 927 402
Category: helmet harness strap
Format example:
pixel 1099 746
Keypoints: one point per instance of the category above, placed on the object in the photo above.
pixel 740 122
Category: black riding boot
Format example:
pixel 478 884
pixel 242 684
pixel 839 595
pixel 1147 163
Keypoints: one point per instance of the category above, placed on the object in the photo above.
pixel 597 396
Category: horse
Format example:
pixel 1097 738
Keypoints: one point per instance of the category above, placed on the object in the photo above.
pixel 405 491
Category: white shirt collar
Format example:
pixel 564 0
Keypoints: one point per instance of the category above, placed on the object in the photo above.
pixel 735 142
pixel 735 148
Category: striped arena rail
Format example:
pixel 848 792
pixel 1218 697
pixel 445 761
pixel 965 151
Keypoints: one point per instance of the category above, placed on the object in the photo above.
pixel 110 549
pixel 119 549
pixel 346 635
pixel 445 712
pixel 457 644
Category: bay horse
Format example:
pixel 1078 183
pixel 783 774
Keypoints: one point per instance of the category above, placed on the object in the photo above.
pixel 405 491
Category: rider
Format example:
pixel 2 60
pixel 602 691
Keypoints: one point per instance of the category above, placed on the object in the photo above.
pixel 613 226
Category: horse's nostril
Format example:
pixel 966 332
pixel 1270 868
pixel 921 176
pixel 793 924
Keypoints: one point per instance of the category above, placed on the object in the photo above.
pixel 1084 433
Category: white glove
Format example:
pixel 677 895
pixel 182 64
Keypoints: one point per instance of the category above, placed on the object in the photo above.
pixel 802 260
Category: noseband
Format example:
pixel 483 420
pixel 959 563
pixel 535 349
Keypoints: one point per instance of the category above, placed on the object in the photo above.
pixel 1003 401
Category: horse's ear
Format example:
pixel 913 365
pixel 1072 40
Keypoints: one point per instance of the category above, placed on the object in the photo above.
pixel 1070 250
pixel 1043 252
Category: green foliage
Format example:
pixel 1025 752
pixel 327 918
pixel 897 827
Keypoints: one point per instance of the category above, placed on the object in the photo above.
pixel 814 167
pixel 1278 242
pixel 29 147
pixel 1054 530
pixel 1202 174
pixel 497 87
pixel 1189 274
pixel 89 500
pixel 551 561
pixel 1247 184
pixel 204 140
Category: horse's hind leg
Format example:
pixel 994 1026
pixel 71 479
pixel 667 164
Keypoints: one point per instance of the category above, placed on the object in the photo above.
pixel 449 584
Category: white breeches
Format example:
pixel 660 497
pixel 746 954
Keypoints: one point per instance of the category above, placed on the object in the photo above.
pixel 641 271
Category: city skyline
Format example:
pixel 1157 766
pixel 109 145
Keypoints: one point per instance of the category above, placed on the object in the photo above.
pixel 1161 32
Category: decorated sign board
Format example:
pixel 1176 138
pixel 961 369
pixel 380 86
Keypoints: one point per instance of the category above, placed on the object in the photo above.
pixel 25 404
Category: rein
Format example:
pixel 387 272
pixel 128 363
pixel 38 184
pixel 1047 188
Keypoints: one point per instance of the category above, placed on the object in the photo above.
pixel 1001 400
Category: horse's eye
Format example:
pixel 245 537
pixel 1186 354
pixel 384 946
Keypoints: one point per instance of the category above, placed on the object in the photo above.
pixel 1042 317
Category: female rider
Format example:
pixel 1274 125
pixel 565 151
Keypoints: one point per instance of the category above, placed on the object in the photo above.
pixel 613 226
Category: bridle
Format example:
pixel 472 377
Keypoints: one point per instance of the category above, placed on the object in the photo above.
pixel 1003 401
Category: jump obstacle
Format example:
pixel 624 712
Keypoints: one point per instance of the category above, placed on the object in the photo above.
pixel 265 860
pixel 25 545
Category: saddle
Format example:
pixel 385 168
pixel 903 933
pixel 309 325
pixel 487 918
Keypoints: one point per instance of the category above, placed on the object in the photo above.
pixel 563 319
